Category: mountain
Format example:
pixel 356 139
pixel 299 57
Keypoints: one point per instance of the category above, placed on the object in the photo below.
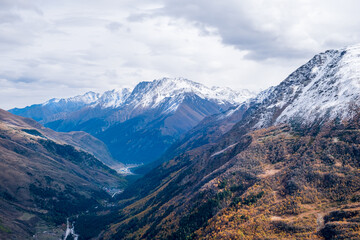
pixel 55 108
pixel 283 165
pixel 324 89
pixel 138 125
pixel 44 180
pixel 78 139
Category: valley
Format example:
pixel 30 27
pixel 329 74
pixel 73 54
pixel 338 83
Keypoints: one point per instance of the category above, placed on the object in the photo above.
pixel 179 120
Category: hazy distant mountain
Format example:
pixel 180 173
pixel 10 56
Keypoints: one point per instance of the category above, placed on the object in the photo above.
pixel 138 125
pixel 43 179
pixel 287 169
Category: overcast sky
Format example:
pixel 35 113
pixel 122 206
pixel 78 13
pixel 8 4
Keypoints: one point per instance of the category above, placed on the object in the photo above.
pixel 65 48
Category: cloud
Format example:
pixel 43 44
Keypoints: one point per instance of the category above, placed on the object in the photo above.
pixel 114 26
pixel 6 17
pixel 274 29
pixel 58 50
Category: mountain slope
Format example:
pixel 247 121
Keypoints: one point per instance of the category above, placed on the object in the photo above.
pixel 138 126
pixel 325 88
pixel 276 174
pixel 43 181
pixel 78 139
pixel 273 184
pixel 321 90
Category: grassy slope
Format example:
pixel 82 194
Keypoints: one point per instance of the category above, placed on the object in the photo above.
pixel 275 183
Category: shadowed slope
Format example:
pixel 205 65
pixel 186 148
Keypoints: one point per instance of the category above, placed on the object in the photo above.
pixel 43 181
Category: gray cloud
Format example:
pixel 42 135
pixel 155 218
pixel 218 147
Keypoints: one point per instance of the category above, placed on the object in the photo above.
pixel 114 26
pixel 273 29
pixel 6 17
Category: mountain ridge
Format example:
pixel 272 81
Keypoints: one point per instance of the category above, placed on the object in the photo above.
pixel 45 179
pixel 155 92
pixel 152 116
pixel 78 139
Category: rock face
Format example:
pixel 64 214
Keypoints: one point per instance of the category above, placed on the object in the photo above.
pixel 283 165
pixel 43 179
pixel 138 125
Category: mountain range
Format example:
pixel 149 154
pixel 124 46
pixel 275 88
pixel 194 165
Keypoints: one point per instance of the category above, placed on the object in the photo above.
pixel 139 125
pixel 282 165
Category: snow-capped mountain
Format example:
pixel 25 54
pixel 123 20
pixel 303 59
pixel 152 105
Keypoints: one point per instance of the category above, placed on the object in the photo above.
pixel 334 85
pixel 164 96
pixel 152 94
pixel 325 88
pixel 167 93
pixel 287 143
pixel 131 122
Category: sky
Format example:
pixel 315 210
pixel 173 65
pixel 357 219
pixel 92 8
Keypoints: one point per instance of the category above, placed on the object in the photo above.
pixel 64 48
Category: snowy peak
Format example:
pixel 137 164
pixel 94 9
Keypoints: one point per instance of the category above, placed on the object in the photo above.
pixel 87 98
pixel 325 88
pixel 168 91
pixel 334 85
pixel 232 96
pixel 152 94
pixel 114 98
pixel 159 97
